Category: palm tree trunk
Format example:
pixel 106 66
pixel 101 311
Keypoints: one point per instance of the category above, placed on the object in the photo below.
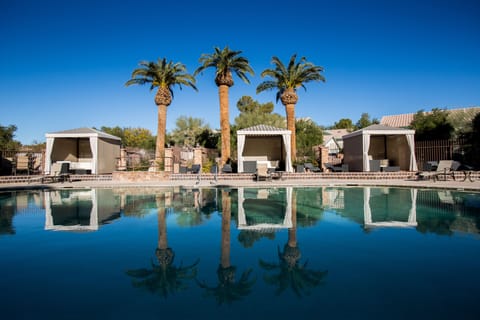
pixel 160 145
pixel 226 219
pixel 224 122
pixel 292 232
pixel 290 111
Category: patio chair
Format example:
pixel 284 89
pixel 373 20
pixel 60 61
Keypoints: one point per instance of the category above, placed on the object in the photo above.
pixel 311 168
pixel 263 172
pixel 227 168
pixel 23 163
pixel 196 168
pixel 249 166
pixel 300 168
pixel 374 165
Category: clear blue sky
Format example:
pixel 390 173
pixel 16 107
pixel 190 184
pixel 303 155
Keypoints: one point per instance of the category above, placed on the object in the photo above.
pixel 63 64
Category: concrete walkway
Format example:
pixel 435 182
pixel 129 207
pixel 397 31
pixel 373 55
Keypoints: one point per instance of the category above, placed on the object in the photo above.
pixel 450 184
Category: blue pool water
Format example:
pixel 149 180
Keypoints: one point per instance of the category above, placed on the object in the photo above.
pixel 240 253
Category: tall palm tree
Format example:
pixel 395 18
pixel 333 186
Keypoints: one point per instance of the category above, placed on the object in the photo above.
pixel 164 76
pixel 225 62
pixel 286 79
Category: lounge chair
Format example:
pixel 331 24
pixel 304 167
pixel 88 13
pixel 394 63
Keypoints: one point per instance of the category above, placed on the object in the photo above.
pixel 332 168
pixel 311 168
pixel 61 173
pixel 263 172
pixel 445 168
pixel 300 168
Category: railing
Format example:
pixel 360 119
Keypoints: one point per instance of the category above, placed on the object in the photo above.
pixel 435 150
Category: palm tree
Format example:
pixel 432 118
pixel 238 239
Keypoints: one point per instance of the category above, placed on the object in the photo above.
pixel 164 75
pixel 228 289
pixel 163 278
pixel 225 62
pixel 290 272
pixel 286 80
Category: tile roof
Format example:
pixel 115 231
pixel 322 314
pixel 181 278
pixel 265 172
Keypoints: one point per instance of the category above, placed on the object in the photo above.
pixel 336 133
pixel 404 120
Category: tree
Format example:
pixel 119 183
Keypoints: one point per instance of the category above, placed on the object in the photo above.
pixel 433 125
pixel 164 76
pixel 133 137
pixel 286 79
pixel 365 121
pixel 254 113
pixel 247 104
pixel 139 138
pixel 343 123
pixel 225 62
pixel 187 130
pixel 208 138
pixel 6 138
pixel 308 135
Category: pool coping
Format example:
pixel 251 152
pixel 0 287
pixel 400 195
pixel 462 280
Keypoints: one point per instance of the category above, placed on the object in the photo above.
pixel 290 182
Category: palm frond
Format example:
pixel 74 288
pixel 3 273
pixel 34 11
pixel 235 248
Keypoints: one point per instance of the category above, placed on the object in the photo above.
pixel 225 61
pixel 162 73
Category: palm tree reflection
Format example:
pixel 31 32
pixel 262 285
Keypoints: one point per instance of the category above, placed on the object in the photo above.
pixel 289 272
pixel 163 278
pixel 228 289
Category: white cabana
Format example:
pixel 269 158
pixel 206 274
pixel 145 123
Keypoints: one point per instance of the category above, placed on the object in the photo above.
pixel 85 149
pixel 392 146
pixel 264 143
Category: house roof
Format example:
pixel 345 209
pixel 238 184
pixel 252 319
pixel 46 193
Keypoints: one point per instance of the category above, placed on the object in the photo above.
pixel 404 120
pixel 81 133
pixel 335 133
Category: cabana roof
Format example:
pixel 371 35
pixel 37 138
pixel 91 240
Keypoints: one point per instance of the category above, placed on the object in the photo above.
pixel 378 129
pixel 81 133
pixel 263 130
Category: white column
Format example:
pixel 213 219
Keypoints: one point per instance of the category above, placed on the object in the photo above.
pixel 240 146
pixel 48 155
pixel 94 149
pixel 411 144
pixel 366 146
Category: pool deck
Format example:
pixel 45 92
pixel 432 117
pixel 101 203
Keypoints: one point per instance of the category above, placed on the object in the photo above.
pixel 295 180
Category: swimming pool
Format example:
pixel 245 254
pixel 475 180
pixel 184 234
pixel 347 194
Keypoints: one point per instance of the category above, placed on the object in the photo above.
pixel 236 253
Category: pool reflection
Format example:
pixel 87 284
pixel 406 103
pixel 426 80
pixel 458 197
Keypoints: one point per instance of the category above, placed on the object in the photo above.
pixel 163 278
pixel 80 210
pixel 286 250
